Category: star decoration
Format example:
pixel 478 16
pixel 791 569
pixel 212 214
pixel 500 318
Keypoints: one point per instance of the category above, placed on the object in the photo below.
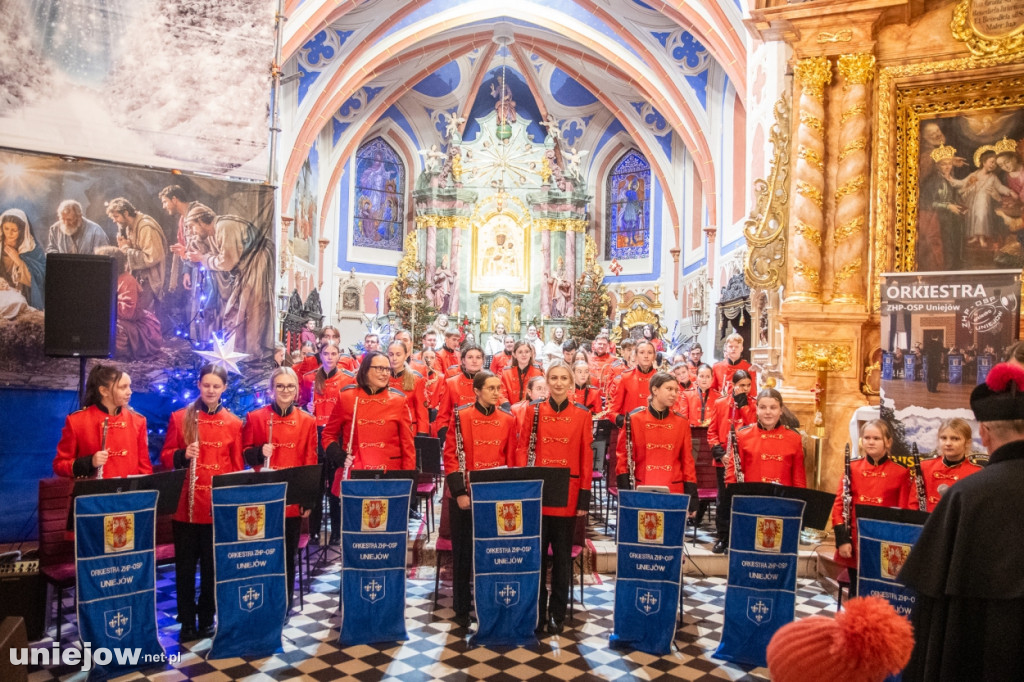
pixel 224 354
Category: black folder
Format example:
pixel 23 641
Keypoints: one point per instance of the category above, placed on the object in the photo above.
pixel 304 483
pixel 167 483
pixel 556 481
pixel 818 506
pixel 914 517
pixel 428 454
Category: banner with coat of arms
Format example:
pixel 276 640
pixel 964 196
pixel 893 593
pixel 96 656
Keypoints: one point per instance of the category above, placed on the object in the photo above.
pixel 250 569
pixel 760 597
pixel 882 549
pixel 115 536
pixel 649 571
pixel 506 561
pixel 374 533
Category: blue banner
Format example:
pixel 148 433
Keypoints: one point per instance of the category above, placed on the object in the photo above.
pixel 115 567
pixel 760 598
pixel 882 549
pixel 649 575
pixel 249 563
pixel 506 561
pixel 374 530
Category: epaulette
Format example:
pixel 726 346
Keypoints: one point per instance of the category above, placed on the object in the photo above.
pixel 348 372
pixel 395 390
pixel 638 409
pixel 506 410
pixel 856 459
pixel 792 429
pixel 582 407
pixel 415 373
pixel 538 401
pixel 128 409
pixel 678 414
pixel 459 408
pixel 745 427
pixel 349 387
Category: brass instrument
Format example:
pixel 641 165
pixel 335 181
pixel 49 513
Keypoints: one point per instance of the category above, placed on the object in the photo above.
pixel 192 475
pixel 532 451
pixel 922 495
pixel 630 460
pixel 103 443
pixel 847 490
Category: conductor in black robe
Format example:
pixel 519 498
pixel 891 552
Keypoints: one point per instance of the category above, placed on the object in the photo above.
pixel 967 567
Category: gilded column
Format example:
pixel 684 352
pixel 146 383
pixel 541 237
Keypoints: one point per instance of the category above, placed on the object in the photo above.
pixel 850 235
pixel 808 218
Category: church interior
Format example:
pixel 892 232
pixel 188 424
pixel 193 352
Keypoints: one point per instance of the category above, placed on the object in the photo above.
pixel 686 171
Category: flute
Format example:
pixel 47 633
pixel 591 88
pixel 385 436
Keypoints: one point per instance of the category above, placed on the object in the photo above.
pixel 351 437
pixel 192 476
pixel 103 443
pixel 270 442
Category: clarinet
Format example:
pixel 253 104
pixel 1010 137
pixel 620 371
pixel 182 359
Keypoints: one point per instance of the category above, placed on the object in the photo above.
pixel 630 461
pixel 847 490
pixel 460 451
pixel 192 476
pixel 922 495
pixel 733 453
pixel 270 440
pixel 103 443
pixel 532 456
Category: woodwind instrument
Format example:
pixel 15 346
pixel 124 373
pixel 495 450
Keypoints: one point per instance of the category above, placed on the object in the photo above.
pixel 733 452
pixel 922 495
pixel 630 460
pixel 531 456
pixel 351 436
pixel 192 475
pixel 847 490
pixel 270 441
pixel 460 450
pixel 103 443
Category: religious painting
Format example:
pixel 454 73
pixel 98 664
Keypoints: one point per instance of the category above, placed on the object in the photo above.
pixel 627 234
pixel 302 231
pixel 501 254
pixel 140 82
pixel 379 203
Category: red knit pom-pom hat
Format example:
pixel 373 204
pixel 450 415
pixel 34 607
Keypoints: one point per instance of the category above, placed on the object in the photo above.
pixel 866 642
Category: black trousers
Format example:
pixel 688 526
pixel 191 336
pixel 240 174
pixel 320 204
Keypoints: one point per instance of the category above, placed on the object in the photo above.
pixel 556 532
pixel 462 556
pixel 723 510
pixel 292 526
pixel 333 502
pixel 853 582
pixel 193 545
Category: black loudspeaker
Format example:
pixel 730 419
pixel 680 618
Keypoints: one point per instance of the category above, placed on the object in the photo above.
pixel 23 594
pixel 81 305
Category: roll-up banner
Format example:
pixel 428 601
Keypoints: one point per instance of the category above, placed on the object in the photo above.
pixel 882 549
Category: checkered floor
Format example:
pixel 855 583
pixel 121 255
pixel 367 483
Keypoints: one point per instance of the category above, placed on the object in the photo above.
pixel 438 650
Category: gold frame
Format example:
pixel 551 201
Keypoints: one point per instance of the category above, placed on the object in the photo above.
pixel 906 94
pixel 978 42
pixel 520 215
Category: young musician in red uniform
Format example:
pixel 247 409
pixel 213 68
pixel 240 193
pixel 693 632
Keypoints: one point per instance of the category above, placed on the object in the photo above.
pixel 207 439
pixel 290 442
pixel 448 357
pixel 106 438
pixel 585 394
pixel 955 436
pixel 601 361
pixel 557 433
pixel 536 389
pixel 487 439
pixel 370 427
pixel 505 358
pixel 874 479
pixel 658 442
pixel 458 390
pixel 632 389
pixel 327 335
pixel 433 387
pixel 405 337
pixel 515 376
pixel 724 369
pixel 730 410
pixel 412 384
pixel 701 399
pixel 769 452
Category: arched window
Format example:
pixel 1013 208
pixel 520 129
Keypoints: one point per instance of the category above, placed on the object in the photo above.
pixel 380 188
pixel 628 229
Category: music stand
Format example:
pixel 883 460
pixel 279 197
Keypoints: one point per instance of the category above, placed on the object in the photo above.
pixel 303 482
pixel 168 485
pixel 428 454
pixel 556 481
pixel 913 517
pixel 818 505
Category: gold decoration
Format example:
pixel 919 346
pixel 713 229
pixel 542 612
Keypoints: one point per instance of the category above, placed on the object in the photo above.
pixel 848 271
pixel 484 309
pixel 814 73
pixel 810 191
pixel 843 36
pixel 560 224
pixel 765 229
pixel 856 69
pixel 834 356
pixel 516 319
pixel 409 262
pixel 853 186
pixel 808 273
pixel 590 253
pixel 1000 147
pixel 812 122
pixel 858 145
pixel 812 157
pixel 457 167
pixel 808 233
pixel 639 316
pixel 446 222
pixel 943 153
pixel 848 229
pixel 545 171
pixel 855 110
pixel 866 388
pixel 980 40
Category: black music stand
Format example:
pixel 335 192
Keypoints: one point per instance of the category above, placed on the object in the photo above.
pixel 167 484
pixel 913 517
pixel 818 506
pixel 556 481
pixel 303 482
pixel 428 454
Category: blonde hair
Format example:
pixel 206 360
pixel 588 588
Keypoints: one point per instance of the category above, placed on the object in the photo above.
pixel 959 427
pixel 734 338
pixel 882 426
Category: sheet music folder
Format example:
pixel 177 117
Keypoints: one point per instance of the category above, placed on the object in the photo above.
pixel 304 488
pixel 371 474
pixel 167 483
pixel 818 507
pixel 556 481
pixel 428 454
pixel 914 517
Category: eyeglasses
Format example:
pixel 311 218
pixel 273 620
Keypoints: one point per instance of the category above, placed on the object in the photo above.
pixel 381 368
pixel 285 387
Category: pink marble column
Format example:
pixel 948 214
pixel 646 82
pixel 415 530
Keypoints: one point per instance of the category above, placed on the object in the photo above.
pixel 545 259
pixel 430 260
pixel 570 268
pixel 453 262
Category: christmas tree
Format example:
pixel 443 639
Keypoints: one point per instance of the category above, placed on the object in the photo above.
pixel 591 304
pixel 410 296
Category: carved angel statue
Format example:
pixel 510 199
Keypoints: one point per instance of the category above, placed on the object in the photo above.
pixel 573 160
pixel 552 128
pixel 451 131
pixel 431 158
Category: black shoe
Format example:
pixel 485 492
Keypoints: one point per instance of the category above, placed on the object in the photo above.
pixel 721 547
pixel 187 634
pixel 542 624
pixel 207 632
pixel 415 514
pixel 555 627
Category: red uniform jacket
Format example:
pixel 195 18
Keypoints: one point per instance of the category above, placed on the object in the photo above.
pixel 603 369
pixel 718 429
pixel 323 403
pixel 700 405
pixel 446 358
pixel 306 365
pixel 381 438
pixel 775 456
pixel 500 361
pixel 220 452
pixel 937 479
pixel 294 440
pixel 885 484
pixel 662 449
pixel 564 436
pixel 589 397
pixel 415 401
pixel 488 441
pixel 457 390
pixel 513 382
pixel 127 444
pixel 723 371
pixel 630 390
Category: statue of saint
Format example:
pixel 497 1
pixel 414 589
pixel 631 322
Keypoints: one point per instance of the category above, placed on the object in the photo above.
pixel 561 292
pixel 441 287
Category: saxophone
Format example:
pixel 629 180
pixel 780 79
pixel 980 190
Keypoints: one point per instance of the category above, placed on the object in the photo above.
pixel 630 460
pixel 531 457
pixel 847 490
pixel 922 495
pixel 103 443
pixel 733 452
pixel 192 476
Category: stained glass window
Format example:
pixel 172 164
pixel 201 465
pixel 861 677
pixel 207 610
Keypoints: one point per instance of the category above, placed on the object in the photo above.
pixel 380 187
pixel 627 233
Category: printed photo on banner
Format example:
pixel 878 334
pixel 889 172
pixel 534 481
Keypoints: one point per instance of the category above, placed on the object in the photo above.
pixel 941 333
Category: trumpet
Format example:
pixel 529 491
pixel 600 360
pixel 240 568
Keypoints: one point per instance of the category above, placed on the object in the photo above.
pixel 192 476
pixel 103 443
